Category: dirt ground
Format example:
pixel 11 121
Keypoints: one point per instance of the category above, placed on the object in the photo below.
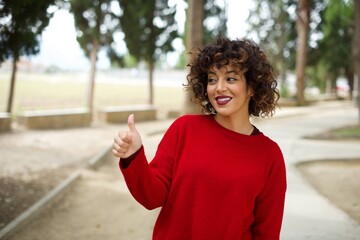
pixel 21 186
pixel 19 191
pixel 337 180
pixel 34 162
pixel 98 206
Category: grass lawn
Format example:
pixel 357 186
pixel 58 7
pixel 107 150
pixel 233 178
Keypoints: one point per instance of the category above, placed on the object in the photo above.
pixel 347 132
pixel 351 132
pixel 34 91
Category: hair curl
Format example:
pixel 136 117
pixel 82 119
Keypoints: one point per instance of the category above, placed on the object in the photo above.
pixel 252 62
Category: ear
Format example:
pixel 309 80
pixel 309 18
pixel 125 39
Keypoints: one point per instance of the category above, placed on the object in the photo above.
pixel 250 92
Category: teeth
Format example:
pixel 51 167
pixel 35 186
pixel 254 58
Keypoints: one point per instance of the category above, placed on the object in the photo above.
pixel 223 99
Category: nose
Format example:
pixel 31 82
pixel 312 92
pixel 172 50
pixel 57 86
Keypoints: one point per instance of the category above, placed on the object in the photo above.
pixel 221 85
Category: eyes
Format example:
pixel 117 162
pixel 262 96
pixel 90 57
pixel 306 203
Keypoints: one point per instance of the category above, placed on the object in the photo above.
pixel 213 80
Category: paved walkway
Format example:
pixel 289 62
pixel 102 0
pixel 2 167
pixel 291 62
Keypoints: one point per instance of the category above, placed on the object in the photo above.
pixel 308 215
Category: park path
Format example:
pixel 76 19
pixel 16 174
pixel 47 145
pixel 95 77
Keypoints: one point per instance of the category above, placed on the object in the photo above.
pixel 99 205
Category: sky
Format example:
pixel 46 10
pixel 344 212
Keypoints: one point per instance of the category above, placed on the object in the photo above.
pixel 60 48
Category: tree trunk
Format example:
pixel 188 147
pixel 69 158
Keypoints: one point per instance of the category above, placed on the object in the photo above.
pixel 356 49
pixel 349 73
pixel 328 83
pixel 151 84
pixel 303 20
pixel 282 64
pixel 282 42
pixel 195 36
pixel 90 92
pixel 12 87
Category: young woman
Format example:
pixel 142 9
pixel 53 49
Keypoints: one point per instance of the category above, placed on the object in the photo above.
pixel 214 175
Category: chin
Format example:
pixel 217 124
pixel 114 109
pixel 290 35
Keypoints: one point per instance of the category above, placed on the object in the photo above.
pixel 223 113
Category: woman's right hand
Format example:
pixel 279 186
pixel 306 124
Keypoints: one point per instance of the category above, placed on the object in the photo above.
pixel 126 143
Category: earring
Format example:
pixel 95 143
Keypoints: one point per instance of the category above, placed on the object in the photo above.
pixel 212 110
pixel 204 103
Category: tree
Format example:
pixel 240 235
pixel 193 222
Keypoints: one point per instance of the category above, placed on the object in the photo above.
pixel 356 50
pixel 273 24
pixel 150 28
pixel 215 19
pixel 334 52
pixel 195 24
pixel 303 21
pixel 22 23
pixel 205 21
pixel 96 23
pixel 327 47
pixel 194 39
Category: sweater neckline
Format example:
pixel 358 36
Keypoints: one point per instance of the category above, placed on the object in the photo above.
pixel 231 132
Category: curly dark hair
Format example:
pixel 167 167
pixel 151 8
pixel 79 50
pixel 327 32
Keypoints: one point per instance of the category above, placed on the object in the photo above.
pixel 251 61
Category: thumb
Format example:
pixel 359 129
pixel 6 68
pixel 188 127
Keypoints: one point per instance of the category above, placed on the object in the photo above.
pixel 131 123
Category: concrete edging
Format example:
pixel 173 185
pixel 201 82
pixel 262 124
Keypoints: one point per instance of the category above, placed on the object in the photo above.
pixel 5 122
pixel 120 114
pixel 55 118
pixel 96 161
pixel 46 200
pixel 38 206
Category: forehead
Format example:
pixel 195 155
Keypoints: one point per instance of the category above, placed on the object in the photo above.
pixel 233 68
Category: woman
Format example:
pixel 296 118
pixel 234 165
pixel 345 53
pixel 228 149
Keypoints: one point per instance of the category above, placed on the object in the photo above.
pixel 215 175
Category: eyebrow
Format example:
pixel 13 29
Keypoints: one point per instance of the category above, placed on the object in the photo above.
pixel 227 72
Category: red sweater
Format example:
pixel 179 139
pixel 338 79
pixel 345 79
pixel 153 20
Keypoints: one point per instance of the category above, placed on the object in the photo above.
pixel 211 182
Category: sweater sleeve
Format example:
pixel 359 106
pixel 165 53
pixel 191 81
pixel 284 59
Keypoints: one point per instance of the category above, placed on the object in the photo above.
pixel 149 183
pixel 269 205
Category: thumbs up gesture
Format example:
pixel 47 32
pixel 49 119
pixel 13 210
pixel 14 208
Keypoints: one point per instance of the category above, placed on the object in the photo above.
pixel 127 142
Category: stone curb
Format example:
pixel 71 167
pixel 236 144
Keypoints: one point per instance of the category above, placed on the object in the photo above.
pixel 98 159
pixel 38 206
pixel 34 210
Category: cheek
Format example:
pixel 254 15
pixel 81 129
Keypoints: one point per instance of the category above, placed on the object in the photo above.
pixel 209 89
pixel 210 94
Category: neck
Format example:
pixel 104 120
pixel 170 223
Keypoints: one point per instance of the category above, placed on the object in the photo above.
pixel 242 126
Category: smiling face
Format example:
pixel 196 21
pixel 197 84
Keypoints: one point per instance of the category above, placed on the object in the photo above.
pixel 228 92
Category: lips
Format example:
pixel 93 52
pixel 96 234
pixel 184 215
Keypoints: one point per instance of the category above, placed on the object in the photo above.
pixel 222 100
